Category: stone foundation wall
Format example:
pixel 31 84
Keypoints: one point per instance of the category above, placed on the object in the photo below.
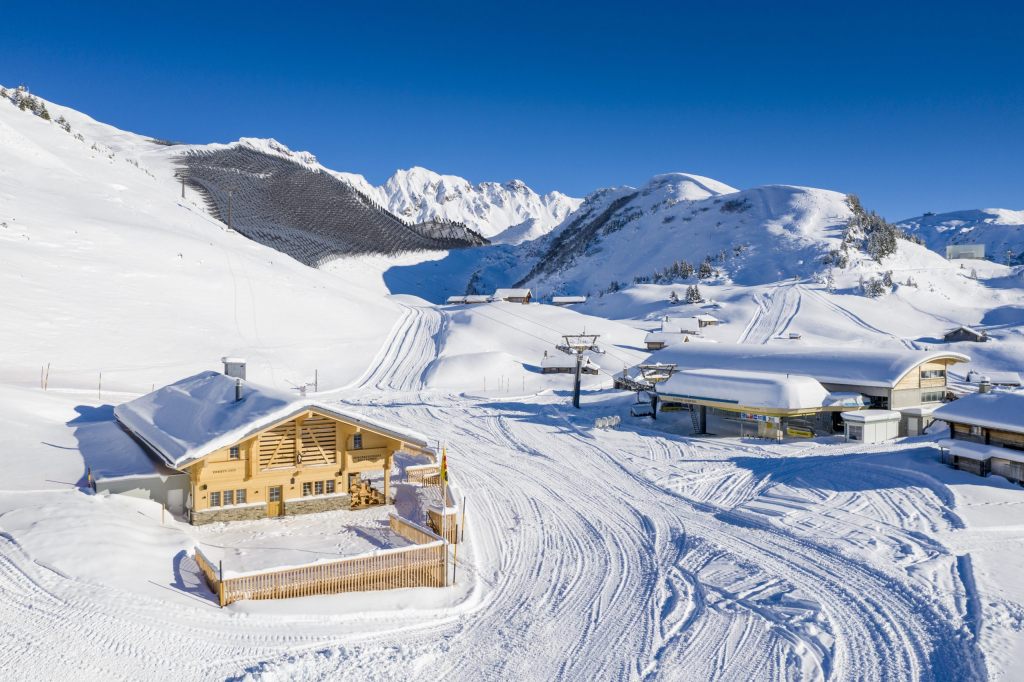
pixel 313 505
pixel 247 513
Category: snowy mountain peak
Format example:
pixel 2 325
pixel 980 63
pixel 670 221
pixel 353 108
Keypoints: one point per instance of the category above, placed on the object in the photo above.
pixel 271 146
pixel 509 212
pixel 687 187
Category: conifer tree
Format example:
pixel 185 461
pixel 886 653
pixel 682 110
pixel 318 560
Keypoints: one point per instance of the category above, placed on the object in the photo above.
pixel 706 269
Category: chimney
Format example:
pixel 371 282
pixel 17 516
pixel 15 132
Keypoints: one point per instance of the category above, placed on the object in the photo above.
pixel 985 385
pixel 234 367
pixel 238 390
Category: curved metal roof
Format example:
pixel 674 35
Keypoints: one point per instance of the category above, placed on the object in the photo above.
pixel 829 365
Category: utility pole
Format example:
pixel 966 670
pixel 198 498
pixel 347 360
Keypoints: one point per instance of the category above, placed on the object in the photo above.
pixel 578 344
pixel 182 186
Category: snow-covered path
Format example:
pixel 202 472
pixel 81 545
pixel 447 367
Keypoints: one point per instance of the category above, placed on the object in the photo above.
pixel 773 315
pixel 407 353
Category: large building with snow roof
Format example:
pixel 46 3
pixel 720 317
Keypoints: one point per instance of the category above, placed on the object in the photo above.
pixel 893 379
pixel 767 404
pixel 248 451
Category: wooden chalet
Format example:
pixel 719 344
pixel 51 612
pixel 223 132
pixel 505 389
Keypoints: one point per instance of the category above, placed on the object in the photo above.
pixel 964 333
pixel 986 433
pixel 249 452
pixel 512 295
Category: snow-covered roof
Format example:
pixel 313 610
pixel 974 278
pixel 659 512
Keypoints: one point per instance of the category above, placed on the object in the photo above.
pixel 565 300
pixel 980 451
pixel 746 389
pixel 478 298
pixel 566 360
pixel 680 324
pixel 827 364
pixel 869 416
pixel 704 317
pixel 456 299
pixel 500 294
pixel 997 410
pixel 191 418
pixel 994 377
pixel 965 328
pixel 976 451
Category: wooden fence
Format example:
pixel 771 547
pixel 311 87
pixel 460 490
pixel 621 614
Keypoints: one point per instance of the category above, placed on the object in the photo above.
pixel 421 473
pixel 423 565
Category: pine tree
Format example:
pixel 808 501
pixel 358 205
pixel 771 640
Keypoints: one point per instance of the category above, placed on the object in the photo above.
pixel 693 295
pixel 42 112
pixel 673 298
pixel 706 269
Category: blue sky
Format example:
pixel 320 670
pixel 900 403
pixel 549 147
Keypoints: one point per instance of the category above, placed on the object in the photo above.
pixel 914 108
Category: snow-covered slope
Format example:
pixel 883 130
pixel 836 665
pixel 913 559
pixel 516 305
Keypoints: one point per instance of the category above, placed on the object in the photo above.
pixel 104 268
pixel 506 213
pixel 1000 230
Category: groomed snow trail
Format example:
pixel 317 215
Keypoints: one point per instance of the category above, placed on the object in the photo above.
pixel 407 353
pixel 775 311
pixel 596 555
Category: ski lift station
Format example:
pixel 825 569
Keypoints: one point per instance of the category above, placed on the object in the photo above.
pixel 775 391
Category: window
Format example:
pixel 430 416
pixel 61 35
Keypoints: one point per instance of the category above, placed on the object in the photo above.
pixel 229 497
pixel 330 487
pixel 933 373
pixel 235 453
pixel 240 496
pixel 932 396
pixel 274 493
pixel 855 432
pixel 976 431
pixel 214 499
pixel 307 489
pixel 318 488
pixel 357 441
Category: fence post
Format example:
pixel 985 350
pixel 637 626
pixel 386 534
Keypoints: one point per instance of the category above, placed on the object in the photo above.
pixel 220 582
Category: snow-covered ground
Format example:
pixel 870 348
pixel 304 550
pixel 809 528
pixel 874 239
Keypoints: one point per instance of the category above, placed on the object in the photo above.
pixel 640 552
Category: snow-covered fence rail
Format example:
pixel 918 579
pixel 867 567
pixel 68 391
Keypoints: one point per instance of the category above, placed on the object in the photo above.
pixel 422 565
pixel 423 473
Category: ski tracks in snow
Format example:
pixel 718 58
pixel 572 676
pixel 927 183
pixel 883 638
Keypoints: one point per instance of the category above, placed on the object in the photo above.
pixel 776 310
pixel 405 357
